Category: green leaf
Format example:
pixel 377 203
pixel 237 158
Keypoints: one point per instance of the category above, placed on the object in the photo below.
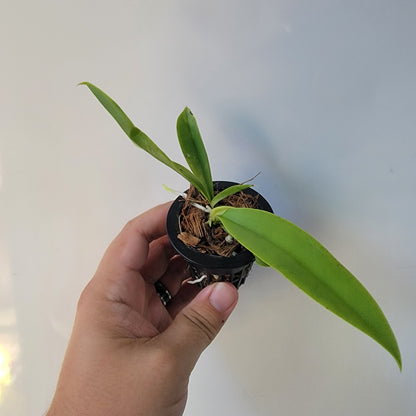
pixel 141 139
pixel 227 192
pixel 112 107
pixel 261 263
pixel 305 262
pixel 194 150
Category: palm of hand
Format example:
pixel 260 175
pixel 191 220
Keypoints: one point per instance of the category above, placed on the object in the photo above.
pixel 136 310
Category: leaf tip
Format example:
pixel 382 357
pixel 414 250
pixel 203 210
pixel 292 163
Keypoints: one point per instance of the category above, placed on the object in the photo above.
pixel 398 359
pixel 394 350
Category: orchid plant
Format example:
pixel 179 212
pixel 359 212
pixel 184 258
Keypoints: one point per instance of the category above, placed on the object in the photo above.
pixel 275 241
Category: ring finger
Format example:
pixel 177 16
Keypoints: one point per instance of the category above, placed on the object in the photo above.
pixel 176 272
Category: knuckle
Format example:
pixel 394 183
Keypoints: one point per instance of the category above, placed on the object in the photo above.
pixel 85 296
pixel 129 224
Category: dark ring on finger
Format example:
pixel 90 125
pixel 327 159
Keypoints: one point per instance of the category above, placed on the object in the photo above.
pixel 163 292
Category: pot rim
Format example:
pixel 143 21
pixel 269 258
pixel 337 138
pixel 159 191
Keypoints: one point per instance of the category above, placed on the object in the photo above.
pixel 205 260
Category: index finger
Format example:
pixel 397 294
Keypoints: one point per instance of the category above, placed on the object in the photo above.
pixel 129 250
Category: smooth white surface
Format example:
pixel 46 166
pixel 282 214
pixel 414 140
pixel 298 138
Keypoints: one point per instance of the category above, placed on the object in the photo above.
pixel 320 96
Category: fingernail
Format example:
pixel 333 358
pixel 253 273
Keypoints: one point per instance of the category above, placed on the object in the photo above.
pixel 223 297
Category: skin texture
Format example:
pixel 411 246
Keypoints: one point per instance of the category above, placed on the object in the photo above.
pixel 128 354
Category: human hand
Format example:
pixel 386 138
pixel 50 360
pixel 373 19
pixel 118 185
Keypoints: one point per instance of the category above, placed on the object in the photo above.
pixel 128 354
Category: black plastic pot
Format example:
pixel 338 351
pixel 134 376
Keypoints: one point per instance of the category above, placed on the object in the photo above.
pixel 233 269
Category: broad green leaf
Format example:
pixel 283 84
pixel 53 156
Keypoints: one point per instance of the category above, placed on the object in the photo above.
pixel 261 263
pixel 194 150
pixel 141 139
pixel 305 262
pixel 227 192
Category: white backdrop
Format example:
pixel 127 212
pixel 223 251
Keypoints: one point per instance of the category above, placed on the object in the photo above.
pixel 320 96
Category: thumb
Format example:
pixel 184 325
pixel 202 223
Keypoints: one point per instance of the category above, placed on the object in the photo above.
pixel 199 322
